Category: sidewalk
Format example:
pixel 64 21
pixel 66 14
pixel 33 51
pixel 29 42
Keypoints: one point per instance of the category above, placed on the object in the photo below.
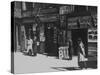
pixel 41 63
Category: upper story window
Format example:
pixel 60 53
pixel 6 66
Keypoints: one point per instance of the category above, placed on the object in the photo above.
pixel 27 6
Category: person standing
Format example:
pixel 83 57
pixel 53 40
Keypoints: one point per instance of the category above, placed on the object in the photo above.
pixel 29 47
pixel 35 46
pixel 81 54
pixel 70 48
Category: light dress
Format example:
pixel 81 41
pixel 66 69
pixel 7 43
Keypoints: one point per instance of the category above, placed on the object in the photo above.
pixel 82 55
pixel 30 42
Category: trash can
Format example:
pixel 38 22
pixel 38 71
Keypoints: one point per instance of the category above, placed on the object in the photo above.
pixel 63 52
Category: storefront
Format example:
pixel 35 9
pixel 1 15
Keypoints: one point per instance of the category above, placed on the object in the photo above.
pixel 18 35
pixel 51 35
pixel 49 18
pixel 84 27
pixel 30 29
pixel 50 32
pixel 74 25
pixel 78 28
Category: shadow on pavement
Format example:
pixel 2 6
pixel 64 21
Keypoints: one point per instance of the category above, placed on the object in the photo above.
pixel 26 54
pixel 66 68
pixel 90 65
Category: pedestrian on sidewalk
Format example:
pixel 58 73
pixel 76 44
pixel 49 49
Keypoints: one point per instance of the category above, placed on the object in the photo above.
pixel 81 54
pixel 29 47
pixel 70 48
pixel 35 46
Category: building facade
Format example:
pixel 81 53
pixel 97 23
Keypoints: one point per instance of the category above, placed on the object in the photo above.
pixel 53 24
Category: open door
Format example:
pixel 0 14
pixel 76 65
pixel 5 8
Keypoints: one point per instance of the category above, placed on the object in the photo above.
pixel 51 39
pixel 80 33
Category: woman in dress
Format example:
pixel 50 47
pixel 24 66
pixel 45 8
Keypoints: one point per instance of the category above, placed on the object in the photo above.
pixel 81 54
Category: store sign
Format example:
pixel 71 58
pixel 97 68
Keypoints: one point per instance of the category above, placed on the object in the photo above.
pixel 28 20
pixel 49 18
pixel 48 11
pixel 72 22
pixel 83 21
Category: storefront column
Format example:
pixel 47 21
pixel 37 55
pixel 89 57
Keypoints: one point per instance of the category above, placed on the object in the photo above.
pixel 17 42
pixel 23 38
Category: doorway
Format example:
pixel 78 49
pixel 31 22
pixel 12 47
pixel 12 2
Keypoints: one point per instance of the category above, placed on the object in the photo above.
pixel 80 33
pixel 51 39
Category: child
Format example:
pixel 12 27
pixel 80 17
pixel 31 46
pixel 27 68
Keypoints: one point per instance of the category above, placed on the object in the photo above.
pixel 29 47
